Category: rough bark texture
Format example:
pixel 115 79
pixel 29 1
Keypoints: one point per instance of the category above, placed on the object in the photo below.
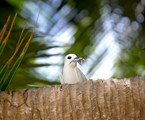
pixel 91 100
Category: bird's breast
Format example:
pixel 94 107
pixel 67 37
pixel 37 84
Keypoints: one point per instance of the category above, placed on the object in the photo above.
pixel 72 75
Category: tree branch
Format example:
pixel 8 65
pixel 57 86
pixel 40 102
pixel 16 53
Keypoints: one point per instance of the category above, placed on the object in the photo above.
pixel 114 99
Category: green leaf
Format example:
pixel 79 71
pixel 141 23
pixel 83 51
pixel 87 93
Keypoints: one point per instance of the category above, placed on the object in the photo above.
pixel 2 73
pixel 2 46
pixel 9 77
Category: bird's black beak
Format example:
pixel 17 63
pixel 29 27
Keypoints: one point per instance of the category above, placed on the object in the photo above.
pixel 80 60
pixel 77 59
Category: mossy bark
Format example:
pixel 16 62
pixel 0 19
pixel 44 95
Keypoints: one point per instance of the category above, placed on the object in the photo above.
pixel 122 99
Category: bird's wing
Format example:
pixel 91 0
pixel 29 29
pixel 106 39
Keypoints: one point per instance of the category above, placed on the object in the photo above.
pixel 61 79
pixel 80 75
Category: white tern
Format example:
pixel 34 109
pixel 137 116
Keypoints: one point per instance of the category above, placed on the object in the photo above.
pixel 71 73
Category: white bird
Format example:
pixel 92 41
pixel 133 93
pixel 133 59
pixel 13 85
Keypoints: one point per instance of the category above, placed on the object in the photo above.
pixel 71 73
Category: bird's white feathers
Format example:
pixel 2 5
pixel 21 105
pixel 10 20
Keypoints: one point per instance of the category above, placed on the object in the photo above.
pixel 71 73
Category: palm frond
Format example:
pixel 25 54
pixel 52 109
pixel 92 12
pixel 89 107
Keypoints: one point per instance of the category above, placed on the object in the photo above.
pixel 8 70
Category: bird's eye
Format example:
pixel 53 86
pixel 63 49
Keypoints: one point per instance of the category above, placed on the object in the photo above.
pixel 68 57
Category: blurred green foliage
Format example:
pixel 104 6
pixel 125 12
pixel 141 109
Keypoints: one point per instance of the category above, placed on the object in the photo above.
pixel 86 21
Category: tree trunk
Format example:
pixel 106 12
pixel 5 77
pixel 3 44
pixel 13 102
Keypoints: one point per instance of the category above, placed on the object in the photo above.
pixel 92 100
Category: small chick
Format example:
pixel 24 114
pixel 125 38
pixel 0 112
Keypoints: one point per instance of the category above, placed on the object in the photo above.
pixel 71 73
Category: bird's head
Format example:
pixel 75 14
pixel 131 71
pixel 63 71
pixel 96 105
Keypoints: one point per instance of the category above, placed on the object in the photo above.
pixel 72 60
